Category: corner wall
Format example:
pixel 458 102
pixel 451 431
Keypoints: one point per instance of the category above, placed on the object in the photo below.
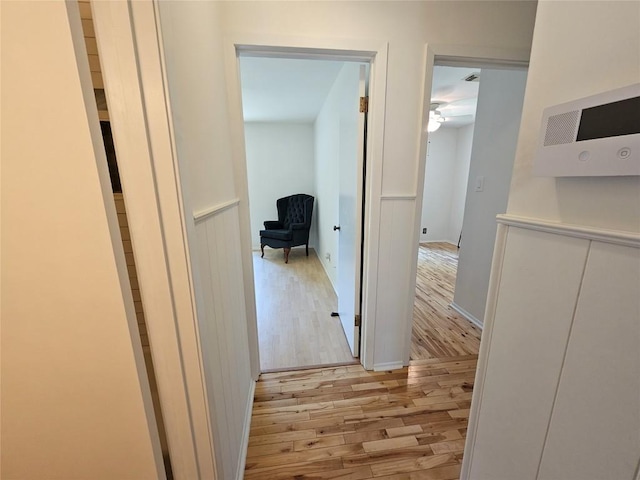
pixel 559 358
pixel 280 162
pixel 460 182
pixel 438 185
pixel 445 184
pixel 492 154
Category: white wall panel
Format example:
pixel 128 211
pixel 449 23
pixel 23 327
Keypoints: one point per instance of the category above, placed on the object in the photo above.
pixel 460 180
pixel 390 334
pixel 569 60
pixel 539 285
pixel 494 143
pixel 280 162
pixel 439 185
pixel 595 427
pixel 223 336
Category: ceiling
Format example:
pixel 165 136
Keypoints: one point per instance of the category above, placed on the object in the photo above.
pixel 294 90
pixel 283 89
pixel 457 98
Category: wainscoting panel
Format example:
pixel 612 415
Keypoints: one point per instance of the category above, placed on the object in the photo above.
pixel 223 335
pixel 393 282
pixel 538 289
pixel 557 392
pixel 595 425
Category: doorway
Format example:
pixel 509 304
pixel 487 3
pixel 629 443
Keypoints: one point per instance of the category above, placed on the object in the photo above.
pixel 467 178
pixel 300 126
pixel 439 331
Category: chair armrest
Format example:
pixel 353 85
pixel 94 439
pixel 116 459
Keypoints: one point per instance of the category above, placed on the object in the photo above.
pixel 273 225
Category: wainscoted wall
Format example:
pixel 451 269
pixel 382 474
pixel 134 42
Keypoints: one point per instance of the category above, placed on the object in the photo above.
pixel 396 210
pixel 562 332
pixel 223 334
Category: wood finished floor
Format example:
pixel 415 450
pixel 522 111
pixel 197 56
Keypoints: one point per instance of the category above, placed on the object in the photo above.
pixel 294 302
pixel 438 330
pixel 348 423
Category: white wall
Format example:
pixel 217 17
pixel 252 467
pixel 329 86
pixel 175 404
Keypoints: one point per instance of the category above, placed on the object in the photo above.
pixel 460 179
pixel 445 184
pixel 494 144
pixel 406 27
pixel 191 35
pixel 75 397
pixel 562 321
pixel 438 185
pixel 335 144
pixel 280 162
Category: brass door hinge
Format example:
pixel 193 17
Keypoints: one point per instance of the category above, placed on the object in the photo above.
pixel 358 320
pixel 364 104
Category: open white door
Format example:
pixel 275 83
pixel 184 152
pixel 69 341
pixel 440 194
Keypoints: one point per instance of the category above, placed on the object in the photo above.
pixel 352 138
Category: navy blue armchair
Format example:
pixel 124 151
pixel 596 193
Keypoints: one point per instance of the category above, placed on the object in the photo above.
pixel 292 227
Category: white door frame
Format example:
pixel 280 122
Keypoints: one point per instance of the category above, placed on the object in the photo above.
pixel 128 36
pixel 371 51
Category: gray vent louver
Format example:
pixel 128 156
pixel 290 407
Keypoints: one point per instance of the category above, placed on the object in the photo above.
pixel 474 77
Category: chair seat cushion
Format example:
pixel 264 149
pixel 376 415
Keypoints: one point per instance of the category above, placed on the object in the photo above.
pixel 276 234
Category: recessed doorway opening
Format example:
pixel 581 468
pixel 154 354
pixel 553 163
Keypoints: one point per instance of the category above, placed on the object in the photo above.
pixel 304 144
pixel 474 115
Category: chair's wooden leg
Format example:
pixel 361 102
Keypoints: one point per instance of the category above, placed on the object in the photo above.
pixel 307 249
pixel 262 248
pixel 286 254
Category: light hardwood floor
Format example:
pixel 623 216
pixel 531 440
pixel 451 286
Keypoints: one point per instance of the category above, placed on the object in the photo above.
pixel 347 423
pixel 438 330
pixel 294 303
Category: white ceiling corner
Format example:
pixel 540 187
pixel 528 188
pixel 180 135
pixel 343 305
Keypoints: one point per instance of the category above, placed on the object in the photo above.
pixel 283 89
pixel 458 98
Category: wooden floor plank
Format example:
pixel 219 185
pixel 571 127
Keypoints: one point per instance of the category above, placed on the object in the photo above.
pixel 343 422
pixel 294 302
pixel 438 330
pixel 405 424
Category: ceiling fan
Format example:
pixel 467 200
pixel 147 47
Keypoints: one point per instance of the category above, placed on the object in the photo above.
pixel 440 112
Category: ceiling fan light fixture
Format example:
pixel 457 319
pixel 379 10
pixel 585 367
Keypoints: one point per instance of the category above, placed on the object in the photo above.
pixel 435 121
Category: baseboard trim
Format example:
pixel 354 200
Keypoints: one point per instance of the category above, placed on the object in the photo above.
pixel 467 315
pixel 355 361
pixel 326 272
pixel 242 461
pixel 383 367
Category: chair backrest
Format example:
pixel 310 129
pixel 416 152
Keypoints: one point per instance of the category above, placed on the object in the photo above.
pixel 295 209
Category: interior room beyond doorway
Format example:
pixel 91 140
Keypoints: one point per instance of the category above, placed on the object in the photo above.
pixel 438 330
pixel 295 141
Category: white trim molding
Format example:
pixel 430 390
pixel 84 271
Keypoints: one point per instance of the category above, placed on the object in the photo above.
pixel 200 215
pixel 628 239
pixel 384 367
pixel 466 315
pixel 397 197
pixel 374 51
pixel 485 342
pixel 244 445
